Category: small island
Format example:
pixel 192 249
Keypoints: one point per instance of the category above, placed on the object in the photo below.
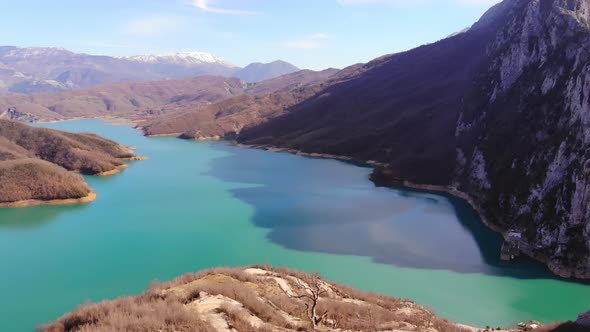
pixel 40 166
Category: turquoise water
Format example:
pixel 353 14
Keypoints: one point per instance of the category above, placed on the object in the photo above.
pixel 195 205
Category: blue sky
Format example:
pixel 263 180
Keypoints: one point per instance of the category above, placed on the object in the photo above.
pixel 311 34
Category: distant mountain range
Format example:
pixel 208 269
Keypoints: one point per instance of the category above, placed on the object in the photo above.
pixel 139 100
pixel 38 69
pixel 256 72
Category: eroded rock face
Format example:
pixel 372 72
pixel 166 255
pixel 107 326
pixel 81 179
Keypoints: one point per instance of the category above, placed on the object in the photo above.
pixel 526 126
pixel 13 114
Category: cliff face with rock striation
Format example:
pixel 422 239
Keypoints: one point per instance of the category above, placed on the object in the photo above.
pixel 524 132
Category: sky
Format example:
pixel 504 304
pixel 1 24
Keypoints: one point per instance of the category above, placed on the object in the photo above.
pixel 313 34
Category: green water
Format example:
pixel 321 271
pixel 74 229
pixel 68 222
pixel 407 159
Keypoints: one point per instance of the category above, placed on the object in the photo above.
pixel 197 205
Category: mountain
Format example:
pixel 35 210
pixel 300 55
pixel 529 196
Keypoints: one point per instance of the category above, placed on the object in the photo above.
pixel 499 113
pixel 253 299
pixel 256 72
pixel 36 69
pixel 37 164
pixel 123 99
pixel 179 58
pixel 458 32
pixel 141 100
pixel 261 102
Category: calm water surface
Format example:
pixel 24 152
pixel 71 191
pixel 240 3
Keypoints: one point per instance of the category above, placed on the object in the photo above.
pixel 198 205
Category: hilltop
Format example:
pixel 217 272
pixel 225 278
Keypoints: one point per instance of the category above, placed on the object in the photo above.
pixel 39 165
pixel 253 299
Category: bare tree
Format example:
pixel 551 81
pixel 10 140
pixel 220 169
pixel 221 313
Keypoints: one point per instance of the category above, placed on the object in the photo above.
pixel 310 294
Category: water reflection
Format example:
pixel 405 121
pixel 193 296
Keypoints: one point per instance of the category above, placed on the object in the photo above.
pixel 329 206
pixel 33 217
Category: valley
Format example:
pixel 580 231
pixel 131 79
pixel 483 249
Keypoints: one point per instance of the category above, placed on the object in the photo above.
pixel 446 90
pixel 451 178
pixel 207 201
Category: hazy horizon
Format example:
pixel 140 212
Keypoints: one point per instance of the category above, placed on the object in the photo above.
pixel 242 32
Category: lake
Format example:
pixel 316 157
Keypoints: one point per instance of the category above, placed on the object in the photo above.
pixel 195 205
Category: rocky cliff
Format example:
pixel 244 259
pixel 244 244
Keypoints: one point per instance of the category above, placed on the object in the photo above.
pixel 524 132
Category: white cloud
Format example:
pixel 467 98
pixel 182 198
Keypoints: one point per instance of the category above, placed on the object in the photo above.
pixel 155 25
pixel 307 42
pixel 205 6
pixel 319 36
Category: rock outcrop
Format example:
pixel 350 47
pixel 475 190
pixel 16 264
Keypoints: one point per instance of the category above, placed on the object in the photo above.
pixel 524 132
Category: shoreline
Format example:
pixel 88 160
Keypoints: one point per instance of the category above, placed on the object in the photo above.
pixel 91 197
pixel 369 163
pixel 158 135
pixel 114 171
pixel 557 270
pixel 564 273
pixel 136 158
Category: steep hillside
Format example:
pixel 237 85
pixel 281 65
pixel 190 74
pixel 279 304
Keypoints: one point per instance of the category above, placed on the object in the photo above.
pixel 500 112
pixel 256 72
pixel 253 299
pixel 146 99
pixel 523 133
pixel 37 163
pixel 38 69
pixel 132 100
pixel 262 101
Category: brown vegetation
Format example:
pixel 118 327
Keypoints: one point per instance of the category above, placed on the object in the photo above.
pixel 27 179
pixel 252 299
pixel 140 100
pixel 35 162
pixel 264 101
pixel 132 314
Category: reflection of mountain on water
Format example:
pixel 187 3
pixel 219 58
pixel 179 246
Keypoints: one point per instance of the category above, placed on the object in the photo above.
pixel 31 217
pixel 329 206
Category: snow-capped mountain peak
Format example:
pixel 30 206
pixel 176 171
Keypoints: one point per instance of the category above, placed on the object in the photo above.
pixel 188 58
pixel 32 52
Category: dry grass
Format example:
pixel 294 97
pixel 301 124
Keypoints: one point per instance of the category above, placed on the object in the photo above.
pixel 86 153
pixel 237 321
pixel 178 304
pixel 27 179
pixel 243 294
pixel 130 314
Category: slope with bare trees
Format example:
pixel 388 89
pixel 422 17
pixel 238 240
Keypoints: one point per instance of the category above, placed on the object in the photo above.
pixel 39 165
pixel 253 299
